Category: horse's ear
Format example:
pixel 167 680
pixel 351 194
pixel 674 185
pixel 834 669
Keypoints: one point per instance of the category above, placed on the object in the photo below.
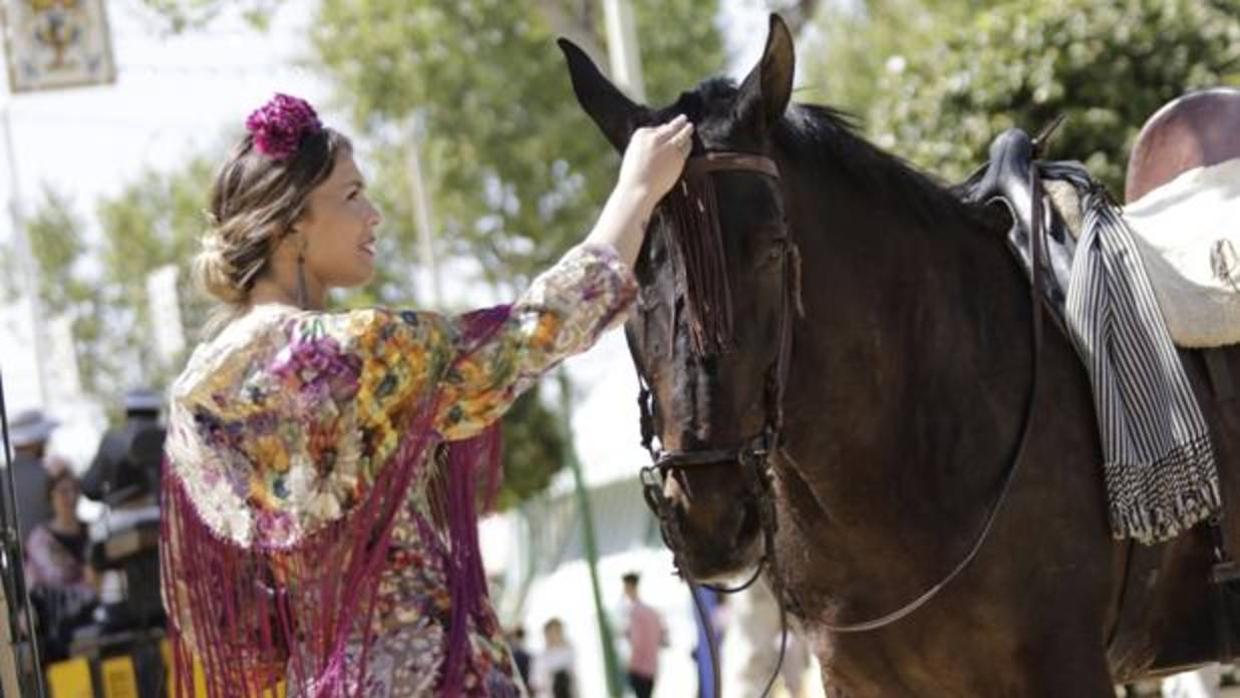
pixel 616 115
pixel 768 87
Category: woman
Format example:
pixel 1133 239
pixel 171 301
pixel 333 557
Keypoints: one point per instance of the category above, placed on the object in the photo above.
pixel 61 582
pixel 56 548
pixel 319 519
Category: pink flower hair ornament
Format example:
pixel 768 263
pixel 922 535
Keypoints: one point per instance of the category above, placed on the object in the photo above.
pixel 279 125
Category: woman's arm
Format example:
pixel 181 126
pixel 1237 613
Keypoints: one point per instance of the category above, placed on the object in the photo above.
pixel 569 306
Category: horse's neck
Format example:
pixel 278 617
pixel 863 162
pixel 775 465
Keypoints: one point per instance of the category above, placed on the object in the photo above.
pixel 912 357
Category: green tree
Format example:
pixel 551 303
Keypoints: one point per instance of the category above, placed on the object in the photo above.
pixel 57 247
pixel 95 271
pixel 517 171
pixel 863 40
pixel 1107 66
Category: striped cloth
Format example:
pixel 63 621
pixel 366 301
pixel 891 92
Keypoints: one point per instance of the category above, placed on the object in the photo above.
pixel 1159 467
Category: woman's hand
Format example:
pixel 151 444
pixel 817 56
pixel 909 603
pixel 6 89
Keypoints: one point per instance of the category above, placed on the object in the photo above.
pixel 655 158
pixel 652 164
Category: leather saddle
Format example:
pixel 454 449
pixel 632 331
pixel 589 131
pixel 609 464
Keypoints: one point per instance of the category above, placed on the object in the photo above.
pixel 1193 131
pixel 1012 179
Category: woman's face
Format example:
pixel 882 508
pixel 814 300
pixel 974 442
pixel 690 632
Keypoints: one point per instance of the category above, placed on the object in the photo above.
pixel 64 497
pixel 339 228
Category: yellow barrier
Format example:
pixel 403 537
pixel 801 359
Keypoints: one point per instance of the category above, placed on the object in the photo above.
pixel 200 681
pixel 70 679
pixel 118 677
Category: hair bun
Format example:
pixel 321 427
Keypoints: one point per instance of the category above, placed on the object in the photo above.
pixel 214 274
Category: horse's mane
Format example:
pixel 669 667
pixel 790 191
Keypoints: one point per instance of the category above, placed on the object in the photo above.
pixel 825 140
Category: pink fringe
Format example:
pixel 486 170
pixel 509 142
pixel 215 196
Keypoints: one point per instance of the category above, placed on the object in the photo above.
pixel 251 627
pixel 466 575
pixel 261 615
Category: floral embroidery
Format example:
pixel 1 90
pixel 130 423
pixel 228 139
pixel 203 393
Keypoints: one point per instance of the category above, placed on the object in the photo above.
pixel 279 425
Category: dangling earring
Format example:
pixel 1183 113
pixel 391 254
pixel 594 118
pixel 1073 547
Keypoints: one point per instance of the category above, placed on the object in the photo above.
pixel 301 279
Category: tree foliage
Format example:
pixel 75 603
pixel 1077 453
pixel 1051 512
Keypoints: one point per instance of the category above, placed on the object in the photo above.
pixel 1107 66
pixel 860 41
pixel 516 169
pixel 95 270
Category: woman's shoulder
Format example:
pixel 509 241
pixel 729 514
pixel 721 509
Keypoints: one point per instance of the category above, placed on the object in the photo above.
pixel 237 342
pixel 40 535
pixel 251 342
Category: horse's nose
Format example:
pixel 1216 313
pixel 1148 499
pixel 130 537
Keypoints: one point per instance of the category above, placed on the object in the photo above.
pixel 715 518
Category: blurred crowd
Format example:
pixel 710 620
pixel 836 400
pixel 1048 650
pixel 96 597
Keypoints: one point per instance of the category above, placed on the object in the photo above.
pixel 89 581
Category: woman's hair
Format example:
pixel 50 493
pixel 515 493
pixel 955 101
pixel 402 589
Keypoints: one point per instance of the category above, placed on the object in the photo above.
pixel 254 202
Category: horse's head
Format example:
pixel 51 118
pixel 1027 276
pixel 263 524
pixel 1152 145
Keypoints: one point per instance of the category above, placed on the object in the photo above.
pixel 718 275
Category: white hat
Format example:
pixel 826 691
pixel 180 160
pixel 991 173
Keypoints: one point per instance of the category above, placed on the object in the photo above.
pixel 31 427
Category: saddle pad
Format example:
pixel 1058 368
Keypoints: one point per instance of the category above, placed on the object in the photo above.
pixel 1188 234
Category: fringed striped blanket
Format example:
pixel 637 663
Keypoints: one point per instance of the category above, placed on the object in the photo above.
pixel 1159 467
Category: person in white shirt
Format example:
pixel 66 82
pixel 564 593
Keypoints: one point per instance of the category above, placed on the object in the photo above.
pixel 553 675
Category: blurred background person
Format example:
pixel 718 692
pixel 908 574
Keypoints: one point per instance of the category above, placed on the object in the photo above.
pixel 126 466
pixel 124 477
pixel 720 615
pixel 554 673
pixel 61 584
pixel 646 634
pixel 751 647
pixel 29 432
pixel 520 655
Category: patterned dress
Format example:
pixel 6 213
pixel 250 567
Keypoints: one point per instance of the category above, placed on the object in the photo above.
pixel 283 427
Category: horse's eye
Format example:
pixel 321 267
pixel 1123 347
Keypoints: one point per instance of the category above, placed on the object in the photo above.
pixel 776 252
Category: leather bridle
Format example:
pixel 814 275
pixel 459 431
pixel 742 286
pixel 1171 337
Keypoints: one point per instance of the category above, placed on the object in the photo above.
pixel 753 453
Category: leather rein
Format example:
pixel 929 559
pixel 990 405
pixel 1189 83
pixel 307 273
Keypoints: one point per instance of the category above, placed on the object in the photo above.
pixel 753 454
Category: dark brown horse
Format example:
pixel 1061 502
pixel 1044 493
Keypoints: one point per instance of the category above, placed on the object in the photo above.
pixel 902 400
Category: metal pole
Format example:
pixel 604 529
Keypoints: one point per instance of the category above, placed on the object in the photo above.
pixel 422 219
pixel 611 661
pixel 17 631
pixel 622 49
pixel 27 264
